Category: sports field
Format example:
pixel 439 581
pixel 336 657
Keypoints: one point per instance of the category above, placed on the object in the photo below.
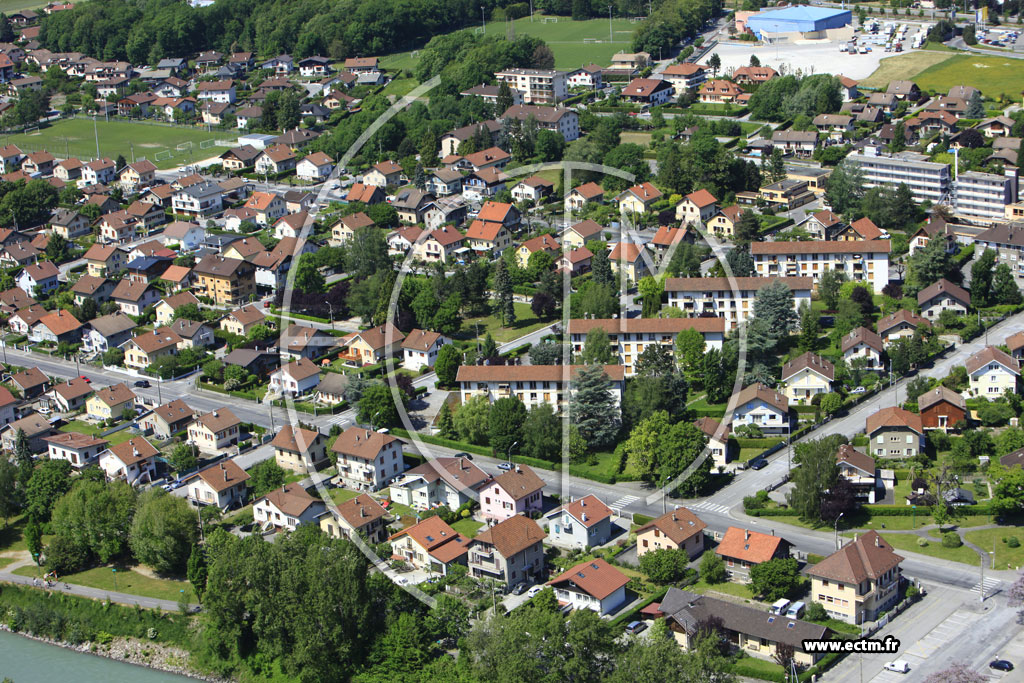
pixel 159 144
pixel 565 38
pixel 994 76
pixel 9 6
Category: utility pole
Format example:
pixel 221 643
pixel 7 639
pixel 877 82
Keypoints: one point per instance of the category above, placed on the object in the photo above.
pixel 483 25
pixel 610 38
pixel 96 133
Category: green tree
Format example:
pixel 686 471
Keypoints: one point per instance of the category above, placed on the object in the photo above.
pixel 747 229
pixel 505 432
pixel 845 187
pixel 504 305
pixel 33 536
pixel 712 568
pixel 715 63
pixel 773 303
pixel 9 495
pixel 49 482
pixel 266 476
pixel 163 531
pixel 23 456
pixel 183 457
pixel 982 273
pixel 810 328
pixel 650 290
pixel 447 365
pixel 377 407
pixel 504 99
pixel 715 376
pixel 975 107
pixel 690 352
pixel 1004 288
pixel 196 571
pixel 597 348
pixel 775 579
pixel 831 403
pixel 542 433
pixel 446 423
pixel 601 269
pixel 307 276
pixel 472 420
pixel 96 516
pixel 829 286
pixel 447 319
pixel 928 265
pixel 6 29
pixel 816 475
pixel 664 565
pixel 592 407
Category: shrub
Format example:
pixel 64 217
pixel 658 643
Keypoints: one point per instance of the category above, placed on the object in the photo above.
pixel 923 542
pixel 815 612
pixel 1012 542
pixel 951 539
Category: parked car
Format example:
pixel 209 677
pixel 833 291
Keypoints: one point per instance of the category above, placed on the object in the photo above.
pixel 900 666
pixel 1000 665
pixel 467 456
pixel 142 383
pixel 505 466
pixel 636 627
pixel 858 390
pixel 758 463
pixel 85 378
pixel 519 589
pixel 533 591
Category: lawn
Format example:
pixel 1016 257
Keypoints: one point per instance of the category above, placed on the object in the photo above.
pixel 739 590
pixel 702 408
pixel 994 76
pixel 933 549
pixel 128 581
pixel 526 322
pixel 94 430
pixel 339 496
pixel 905 66
pixel 9 6
pixel 76 137
pixel 1006 557
pixel 607 466
pixel 636 138
pixel 565 38
pixel 401 86
pixel 467 527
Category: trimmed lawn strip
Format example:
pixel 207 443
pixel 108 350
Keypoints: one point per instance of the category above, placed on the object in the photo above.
pixel 933 549
pixel 128 581
pixel 467 527
pixel 1006 557
pixel 739 590
pixel 526 322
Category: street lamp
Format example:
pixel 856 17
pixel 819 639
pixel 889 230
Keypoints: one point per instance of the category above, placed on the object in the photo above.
pixel 514 444
pixel 836 527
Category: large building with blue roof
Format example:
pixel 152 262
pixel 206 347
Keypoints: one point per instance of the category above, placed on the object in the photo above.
pixel 798 19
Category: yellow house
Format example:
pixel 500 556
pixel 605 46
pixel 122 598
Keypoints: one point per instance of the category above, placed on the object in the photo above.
pixel 723 223
pixel 137 175
pixel 104 259
pixel 639 198
pixel 992 372
pixel 373 345
pixel 141 351
pixel 300 450
pixel 242 320
pixel 110 402
pixel 629 257
pixel 228 281
pixel 540 243
pixel 806 376
pixel 677 529
pixel 858 581
pixel 579 234
pixel 488 236
pixel 166 307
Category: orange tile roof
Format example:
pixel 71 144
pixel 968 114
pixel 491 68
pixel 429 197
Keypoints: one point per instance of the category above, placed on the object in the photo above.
pixel 893 416
pixel 594 577
pixel 678 525
pixel 749 546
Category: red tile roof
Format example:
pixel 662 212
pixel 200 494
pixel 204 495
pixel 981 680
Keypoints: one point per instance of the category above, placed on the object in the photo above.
pixel 749 546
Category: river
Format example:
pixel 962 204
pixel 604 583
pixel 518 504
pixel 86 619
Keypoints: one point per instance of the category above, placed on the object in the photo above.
pixel 24 660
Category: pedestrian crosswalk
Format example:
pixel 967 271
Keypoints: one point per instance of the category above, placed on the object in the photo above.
pixel 624 501
pixel 991 586
pixel 338 419
pixel 708 505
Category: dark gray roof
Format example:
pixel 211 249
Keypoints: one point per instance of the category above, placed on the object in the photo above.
pixel 109 325
pixel 688 609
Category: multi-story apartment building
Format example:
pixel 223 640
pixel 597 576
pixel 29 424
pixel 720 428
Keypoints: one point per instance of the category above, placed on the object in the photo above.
pixel 227 281
pixel 531 384
pixel 538 86
pixel 729 298
pixel 630 336
pixel 564 121
pixel 1007 240
pixel 858 581
pixel 866 261
pixel 510 552
pixel 925 179
pixel 984 195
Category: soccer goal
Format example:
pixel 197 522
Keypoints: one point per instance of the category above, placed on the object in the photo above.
pixel 34 130
pixel 478 29
pixel 163 155
pixel 549 20
pixel 184 146
pixel 207 144
pixel 591 41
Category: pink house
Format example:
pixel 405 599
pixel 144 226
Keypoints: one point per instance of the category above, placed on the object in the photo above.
pixel 517 491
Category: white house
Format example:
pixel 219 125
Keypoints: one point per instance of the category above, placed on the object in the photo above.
pixel 188 235
pixel 287 508
pixel 78 449
pixel 992 372
pixel 440 481
pixel 594 585
pixel 584 523
pixel 38 279
pixel 368 460
pixel 420 348
pixel 863 343
pixel 133 461
pixel 314 167
pixel 806 376
pixel 296 378
pixel 223 485
pixel 759 405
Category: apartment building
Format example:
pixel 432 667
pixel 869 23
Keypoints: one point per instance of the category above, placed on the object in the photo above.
pixel 858 581
pixel 861 261
pixel 225 280
pixel 629 337
pixel 729 298
pixel 925 179
pixel 531 384
pixel 368 460
pixel 564 121
pixel 538 86
pixel 1007 240
pixel 984 195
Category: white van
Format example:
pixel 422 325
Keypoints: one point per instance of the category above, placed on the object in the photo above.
pixel 780 606
pixel 900 666
pixel 796 610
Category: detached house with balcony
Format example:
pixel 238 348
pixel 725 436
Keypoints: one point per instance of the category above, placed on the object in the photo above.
pixel 806 376
pixel 594 585
pixel 677 529
pixel 367 460
pixel 297 378
pixel 300 450
pixel 510 552
pixel 110 402
pixel 899 325
pixel 228 281
pixel 859 581
pixel 223 485
pixel 133 461
pixel 287 508
pixel 517 491
pixel 895 433
pixel 430 545
pixel 860 471
pixel 941 408
pixel 374 345
pixel 583 523
pixel 215 432
pixel 992 373
pixel 361 517
pixel 167 420
pixel 759 405
pixel 439 481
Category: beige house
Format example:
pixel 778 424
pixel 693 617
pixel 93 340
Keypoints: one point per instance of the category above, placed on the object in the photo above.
pixel 723 223
pixel 586 193
pixel 630 258
pixel 367 460
pixel 638 199
pixel 223 485
pixel 895 433
pixel 215 432
pixel 373 345
pixel 718 440
pixel 141 351
pixel 361 517
pixel 167 420
pixel 300 450
pixel 577 235
pixel 510 552
pixel 104 259
pixel 806 376
pixel 742 549
pixel 167 306
pixel 697 207
pixel 133 297
pixel 858 581
pixel 992 372
pixel 241 320
pixel 431 545
pixel 110 402
pixel 677 529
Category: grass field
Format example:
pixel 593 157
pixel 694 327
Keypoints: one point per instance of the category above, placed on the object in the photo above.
pixel 93 430
pixel 128 581
pixel 906 66
pixel 526 322
pixel 1006 557
pixel 76 137
pixel 9 6
pixel 933 549
pixel 994 76
pixel 467 527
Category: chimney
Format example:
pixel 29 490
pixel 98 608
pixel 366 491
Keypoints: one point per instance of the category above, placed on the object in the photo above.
pixel 746 534
pixel 362 511
pixel 878 543
pixel 674 518
pixel 583 517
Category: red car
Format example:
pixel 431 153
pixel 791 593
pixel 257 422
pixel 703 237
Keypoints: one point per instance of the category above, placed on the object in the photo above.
pixel 85 378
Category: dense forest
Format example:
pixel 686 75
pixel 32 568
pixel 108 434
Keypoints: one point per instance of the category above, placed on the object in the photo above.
pixel 145 32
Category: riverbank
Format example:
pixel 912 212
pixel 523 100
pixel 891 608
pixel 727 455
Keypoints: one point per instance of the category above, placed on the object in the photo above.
pixel 166 663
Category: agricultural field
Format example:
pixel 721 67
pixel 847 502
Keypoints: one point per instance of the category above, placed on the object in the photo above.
pixel 9 6
pixel 159 144
pixel 905 66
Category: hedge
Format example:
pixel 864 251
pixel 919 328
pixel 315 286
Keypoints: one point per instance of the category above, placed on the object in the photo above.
pixel 629 616
pixel 524 290
pixel 249 395
pixel 447 443
pixel 754 672
pixel 826 663
pixel 576 471
pixel 300 316
pixel 766 442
